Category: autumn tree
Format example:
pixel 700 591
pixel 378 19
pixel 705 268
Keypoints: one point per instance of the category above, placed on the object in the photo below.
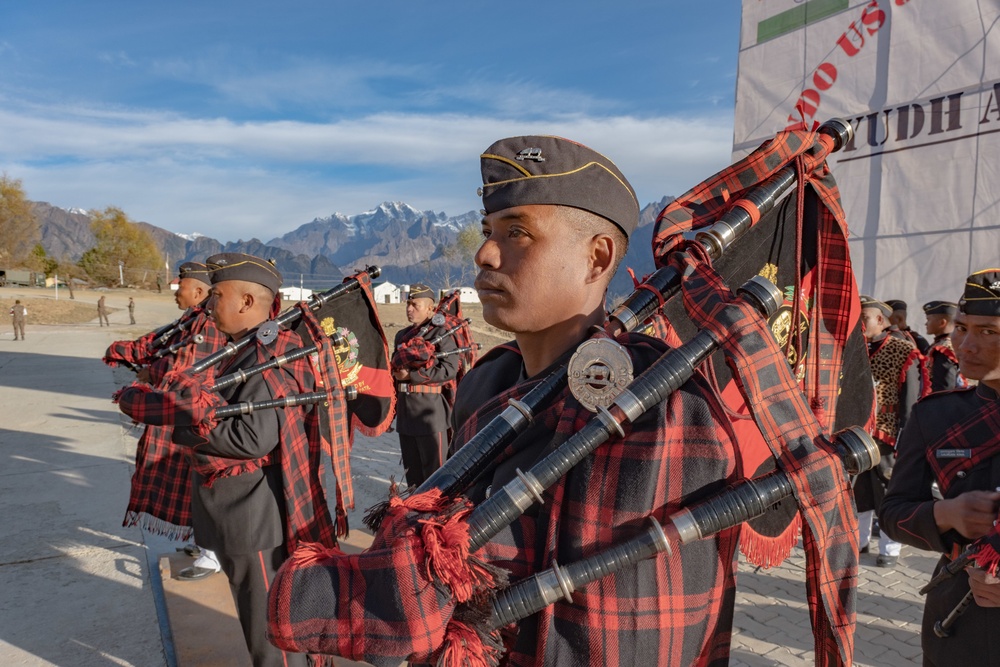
pixel 19 230
pixel 123 249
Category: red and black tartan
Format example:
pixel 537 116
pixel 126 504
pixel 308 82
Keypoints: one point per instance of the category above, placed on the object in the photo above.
pixel 792 431
pixel 184 400
pixel 833 316
pixel 386 604
pixel 160 495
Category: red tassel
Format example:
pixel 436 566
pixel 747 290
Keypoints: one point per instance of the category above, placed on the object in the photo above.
pixel 988 559
pixel 308 553
pixel 464 647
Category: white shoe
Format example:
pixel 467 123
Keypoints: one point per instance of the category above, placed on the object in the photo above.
pixel 208 561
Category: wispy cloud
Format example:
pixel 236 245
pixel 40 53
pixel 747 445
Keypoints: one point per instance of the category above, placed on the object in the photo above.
pixel 118 59
pixel 240 179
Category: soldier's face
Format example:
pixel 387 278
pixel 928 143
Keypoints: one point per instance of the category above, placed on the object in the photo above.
pixel 419 310
pixel 190 292
pixel 976 340
pixel 533 267
pixel 228 306
pixel 874 321
pixel 936 324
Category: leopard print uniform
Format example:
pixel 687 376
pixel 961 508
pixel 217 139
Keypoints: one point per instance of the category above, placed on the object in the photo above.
pixel 889 365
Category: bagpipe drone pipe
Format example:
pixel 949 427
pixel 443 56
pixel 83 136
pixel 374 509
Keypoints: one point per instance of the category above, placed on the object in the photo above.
pixel 365 606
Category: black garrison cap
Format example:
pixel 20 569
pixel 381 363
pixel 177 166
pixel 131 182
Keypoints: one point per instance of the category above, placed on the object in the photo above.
pixel 941 308
pixel 552 170
pixel 418 291
pixel 195 270
pixel 237 266
pixel 869 302
pixel 896 304
pixel 982 293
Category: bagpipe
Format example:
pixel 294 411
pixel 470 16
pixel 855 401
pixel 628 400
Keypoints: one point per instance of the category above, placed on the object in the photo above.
pixel 416 351
pixel 422 561
pixel 162 342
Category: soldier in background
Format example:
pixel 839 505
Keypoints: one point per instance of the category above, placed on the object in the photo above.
pixel 423 410
pixel 131 310
pixel 18 312
pixel 898 323
pixel 898 375
pixel 102 312
pixel 940 360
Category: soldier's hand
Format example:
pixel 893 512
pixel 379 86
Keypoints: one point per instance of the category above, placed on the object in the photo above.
pixel 972 513
pixel 142 375
pixel 985 588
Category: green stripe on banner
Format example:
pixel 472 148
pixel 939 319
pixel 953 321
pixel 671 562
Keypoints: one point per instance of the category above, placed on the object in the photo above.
pixel 797 17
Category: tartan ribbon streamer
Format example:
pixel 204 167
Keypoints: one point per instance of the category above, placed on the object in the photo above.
pixel 979 433
pixel 795 436
pixel 334 435
pixel 835 309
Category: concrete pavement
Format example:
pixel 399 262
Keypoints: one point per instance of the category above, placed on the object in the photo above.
pixel 79 590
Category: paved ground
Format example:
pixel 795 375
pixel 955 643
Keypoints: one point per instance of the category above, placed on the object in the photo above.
pixel 79 590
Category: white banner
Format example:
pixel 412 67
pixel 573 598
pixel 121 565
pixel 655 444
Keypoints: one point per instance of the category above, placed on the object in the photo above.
pixel 920 82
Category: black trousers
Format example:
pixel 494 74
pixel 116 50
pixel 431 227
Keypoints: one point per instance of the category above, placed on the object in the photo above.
pixel 422 455
pixel 250 577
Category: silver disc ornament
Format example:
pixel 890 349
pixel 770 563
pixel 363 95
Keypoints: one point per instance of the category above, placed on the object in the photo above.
pixel 598 371
pixel 267 332
pixel 438 320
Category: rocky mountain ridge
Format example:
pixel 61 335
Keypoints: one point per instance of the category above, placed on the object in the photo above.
pixel 405 242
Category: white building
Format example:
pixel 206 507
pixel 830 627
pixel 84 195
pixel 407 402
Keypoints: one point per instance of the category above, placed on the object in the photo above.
pixel 468 295
pixel 386 292
pixel 295 294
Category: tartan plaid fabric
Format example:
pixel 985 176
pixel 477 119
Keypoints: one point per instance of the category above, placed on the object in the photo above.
pixel 795 436
pixel 333 433
pixel 673 610
pixel 413 353
pixel 979 433
pixel 451 307
pixel 299 448
pixel 382 606
pixel 667 611
pixel 834 295
pixel 132 353
pixel 160 494
pixel 183 401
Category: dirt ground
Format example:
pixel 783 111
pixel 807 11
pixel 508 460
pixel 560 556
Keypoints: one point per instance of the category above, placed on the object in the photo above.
pixel 154 309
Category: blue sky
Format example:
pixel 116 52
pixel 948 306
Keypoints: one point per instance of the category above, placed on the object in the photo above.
pixel 248 119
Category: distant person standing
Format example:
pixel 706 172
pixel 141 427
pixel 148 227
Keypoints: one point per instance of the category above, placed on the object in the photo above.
pixel 102 312
pixel 131 310
pixel 940 360
pixel 18 312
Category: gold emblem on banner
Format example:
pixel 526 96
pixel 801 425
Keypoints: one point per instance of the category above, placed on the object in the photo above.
pixel 347 354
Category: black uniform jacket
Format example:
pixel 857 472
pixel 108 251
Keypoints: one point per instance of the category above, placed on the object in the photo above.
pixel 907 515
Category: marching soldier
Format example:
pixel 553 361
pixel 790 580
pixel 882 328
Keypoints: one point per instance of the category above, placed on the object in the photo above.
pixel 949 440
pixel 423 396
pixel 898 377
pixel 940 360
